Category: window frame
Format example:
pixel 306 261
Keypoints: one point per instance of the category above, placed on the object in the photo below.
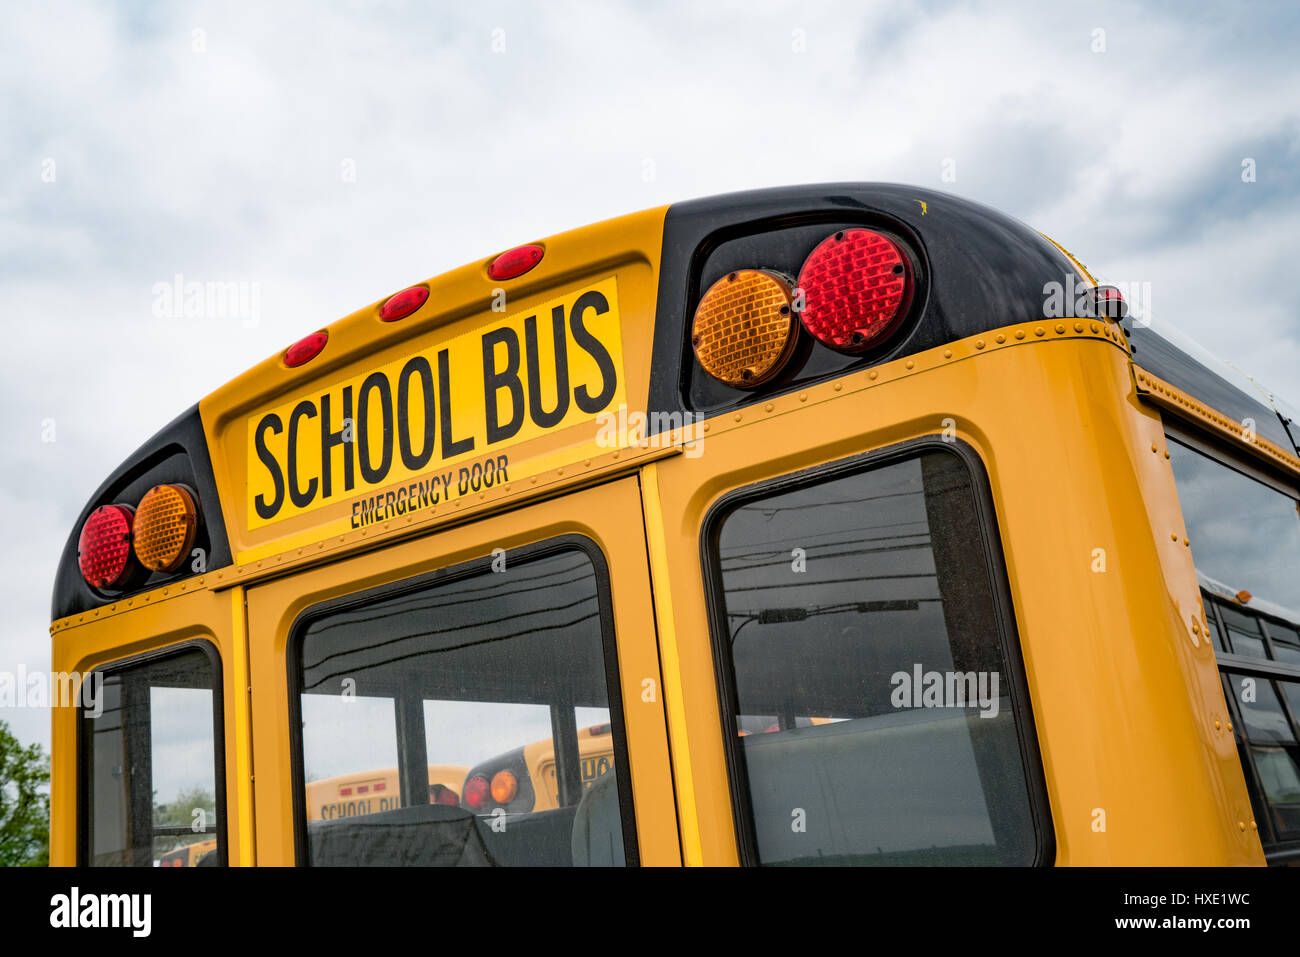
pixel 1003 611
pixel 85 801
pixel 438 576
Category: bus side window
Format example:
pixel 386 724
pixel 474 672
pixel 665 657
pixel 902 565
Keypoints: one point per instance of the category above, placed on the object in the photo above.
pixel 1244 533
pixel 152 789
pixel 465 719
pixel 872 718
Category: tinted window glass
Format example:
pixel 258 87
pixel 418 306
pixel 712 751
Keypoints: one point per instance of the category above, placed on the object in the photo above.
pixel 1245 537
pixel 465 722
pixel 873 705
pixel 1286 643
pixel 1270 741
pixel 151 765
pixel 1244 534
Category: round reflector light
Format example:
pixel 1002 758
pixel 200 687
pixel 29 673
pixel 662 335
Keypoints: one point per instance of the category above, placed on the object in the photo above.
pixel 476 792
pixel 515 262
pixel 305 349
pixel 403 303
pixel 856 286
pixel 504 787
pixel 744 330
pixel 166 521
pixel 104 549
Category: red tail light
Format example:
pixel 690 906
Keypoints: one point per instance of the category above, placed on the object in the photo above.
pixel 104 549
pixel 477 792
pixel 856 286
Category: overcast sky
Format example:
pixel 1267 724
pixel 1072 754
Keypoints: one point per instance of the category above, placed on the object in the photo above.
pixel 333 153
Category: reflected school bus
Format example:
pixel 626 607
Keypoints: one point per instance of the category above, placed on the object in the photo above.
pixel 191 855
pixel 371 792
pixel 526 778
pixel 521 780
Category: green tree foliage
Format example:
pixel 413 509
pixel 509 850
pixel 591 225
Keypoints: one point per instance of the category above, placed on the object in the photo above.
pixel 24 803
pixel 180 813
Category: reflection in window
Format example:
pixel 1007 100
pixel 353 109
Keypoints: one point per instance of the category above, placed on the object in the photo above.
pixel 1243 533
pixel 1261 711
pixel 466 722
pixel 872 697
pixel 1286 643
pixel 151 766
pixel 1245 539
pixel 1270 741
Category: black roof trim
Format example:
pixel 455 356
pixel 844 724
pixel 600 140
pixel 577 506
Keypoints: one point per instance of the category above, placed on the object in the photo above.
pixel 1164 359
pixel 178 453
pixel 986 270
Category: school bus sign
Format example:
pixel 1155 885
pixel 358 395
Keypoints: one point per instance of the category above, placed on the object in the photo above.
pixel 452 407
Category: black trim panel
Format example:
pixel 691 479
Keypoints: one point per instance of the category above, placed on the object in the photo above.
pixel 1162 358
pixel 177 454
pixel 982 270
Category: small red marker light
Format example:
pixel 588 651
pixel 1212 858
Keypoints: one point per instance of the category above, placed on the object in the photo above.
pixel 306 349
pixel 513 263
pixel 1109 302
pixel 404 303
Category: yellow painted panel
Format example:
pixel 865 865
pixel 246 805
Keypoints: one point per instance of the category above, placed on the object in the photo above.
pixel 148 624
pixel 1125 695
pixel 599 514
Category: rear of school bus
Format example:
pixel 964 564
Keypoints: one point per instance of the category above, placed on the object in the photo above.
pixel 831 524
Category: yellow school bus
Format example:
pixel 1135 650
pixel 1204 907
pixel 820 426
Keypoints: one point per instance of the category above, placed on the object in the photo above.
pixel 374 792
pixel 188 855
pixel 678 482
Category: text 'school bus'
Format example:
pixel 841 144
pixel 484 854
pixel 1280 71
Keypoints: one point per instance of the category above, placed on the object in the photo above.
pixel 692 476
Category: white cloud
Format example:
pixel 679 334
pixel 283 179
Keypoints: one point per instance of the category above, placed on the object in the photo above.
pixel 225 165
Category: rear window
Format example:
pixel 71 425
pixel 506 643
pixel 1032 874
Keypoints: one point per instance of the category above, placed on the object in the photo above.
pixel 470 718
pixel 151 772
pixel 871 706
